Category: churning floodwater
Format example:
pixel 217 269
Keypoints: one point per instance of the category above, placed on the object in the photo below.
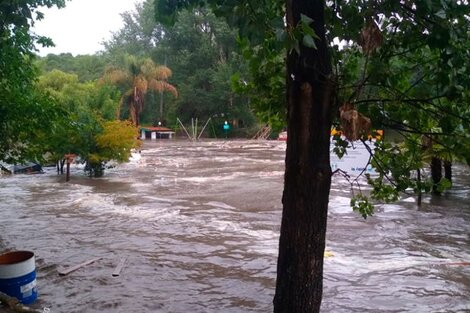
pixel 198 223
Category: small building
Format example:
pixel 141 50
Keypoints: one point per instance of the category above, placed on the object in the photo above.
pixel 154 133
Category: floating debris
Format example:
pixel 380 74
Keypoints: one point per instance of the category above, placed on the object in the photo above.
pixel 119 267
pixel 68 270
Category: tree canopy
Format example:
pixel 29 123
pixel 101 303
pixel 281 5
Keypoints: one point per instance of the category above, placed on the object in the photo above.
pixel 26 115
pixel 201 51
pixel 86 67
pixel 356 65
pixel 55 114
pixel 90 130
pixel 140 77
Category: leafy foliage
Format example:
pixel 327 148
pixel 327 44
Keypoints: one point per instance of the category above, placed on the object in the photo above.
pixel 411 85
pixel 340 145
pixel 114 142
pixel 265 82
pixel 398 62
pixel 140 36
pixel 202 51
pixel 91 131
pixel 27 116
pixel 86 67
pixel 362 205
pixel 135 81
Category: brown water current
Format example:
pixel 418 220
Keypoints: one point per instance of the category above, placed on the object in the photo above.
pixel 199 226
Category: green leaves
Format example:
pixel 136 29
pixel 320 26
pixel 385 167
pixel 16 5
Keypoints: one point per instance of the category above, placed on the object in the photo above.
pixel 443 185
pixel 415 82
pixel 116 141
pixel 309 42
pixel 166 10
pixel 86 67
pixel 27 116
pixel 303 34
pixel 361 204
pixel 341 145
pixel 307 31
pixel 202 49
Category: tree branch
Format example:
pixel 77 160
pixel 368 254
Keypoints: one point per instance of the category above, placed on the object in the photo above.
pixel 413 11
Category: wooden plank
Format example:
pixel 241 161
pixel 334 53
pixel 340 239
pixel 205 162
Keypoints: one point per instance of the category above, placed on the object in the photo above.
pixel 70 269
pixel 119 267
pixel 458 263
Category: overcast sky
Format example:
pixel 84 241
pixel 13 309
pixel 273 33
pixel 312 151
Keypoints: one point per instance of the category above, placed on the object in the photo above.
pixel 82 25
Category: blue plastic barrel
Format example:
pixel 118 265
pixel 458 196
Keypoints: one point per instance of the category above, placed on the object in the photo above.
pixel 18 275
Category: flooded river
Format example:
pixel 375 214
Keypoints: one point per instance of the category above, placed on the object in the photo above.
pixel 199 226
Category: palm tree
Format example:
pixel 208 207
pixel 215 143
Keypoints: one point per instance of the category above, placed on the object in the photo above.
pixel 134 82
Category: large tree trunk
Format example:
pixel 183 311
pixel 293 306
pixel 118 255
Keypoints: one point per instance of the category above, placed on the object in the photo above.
pixel 436 173
pixel 308 174
pixel 448 170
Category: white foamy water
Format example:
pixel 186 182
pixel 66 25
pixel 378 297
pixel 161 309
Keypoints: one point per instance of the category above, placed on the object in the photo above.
pixel 199 225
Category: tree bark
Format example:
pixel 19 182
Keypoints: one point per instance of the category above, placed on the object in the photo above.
pixel 436 173
pixel 67 173
pixel 448 170
pixel 308 173
pixel 420 193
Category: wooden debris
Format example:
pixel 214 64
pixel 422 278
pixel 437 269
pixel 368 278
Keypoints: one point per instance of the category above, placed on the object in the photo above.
pixel 458 263
pixel 68 270
pixel 119 267
pixel 14 304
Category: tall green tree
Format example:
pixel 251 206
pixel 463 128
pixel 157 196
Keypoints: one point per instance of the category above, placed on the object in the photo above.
pixel 139 36
pixel 203 55
pixel 26 115
pixel 202 51
pixel 307 180
pixel 314 94
pixel 86 67
pixel 411 82
pixel 75 96
pixel 135 81
pixel 91 131
pixel 115 141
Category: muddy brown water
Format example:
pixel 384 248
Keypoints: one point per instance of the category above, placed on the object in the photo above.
pixel 199 226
